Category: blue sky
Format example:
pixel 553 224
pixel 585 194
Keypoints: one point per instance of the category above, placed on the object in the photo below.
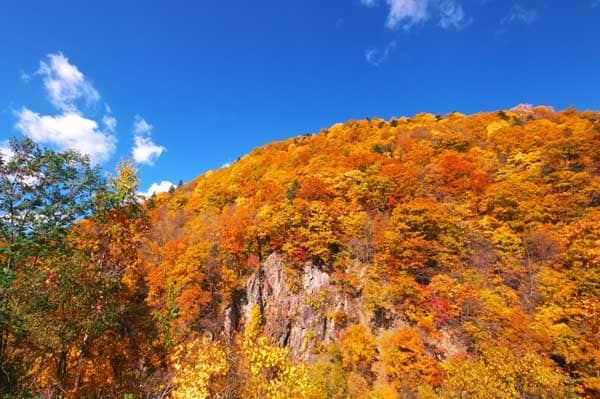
pixel 193 85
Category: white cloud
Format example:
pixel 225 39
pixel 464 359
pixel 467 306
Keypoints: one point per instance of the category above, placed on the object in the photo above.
pixel 25 77
pixel 145 151
pixel 376 57
pixel 5 151
pixel 140 125
pixel 518 14
pixel 404 13
pixel 68 130
pixel 67 88
pixel 65 83
pixel 161 187
pixel 110 123
pixel 452 15
pixel 408 13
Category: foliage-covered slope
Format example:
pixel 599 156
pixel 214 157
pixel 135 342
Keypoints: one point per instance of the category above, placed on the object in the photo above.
pixel 483 230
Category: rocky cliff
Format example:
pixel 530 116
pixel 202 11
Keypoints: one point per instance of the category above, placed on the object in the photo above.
pixel 304 311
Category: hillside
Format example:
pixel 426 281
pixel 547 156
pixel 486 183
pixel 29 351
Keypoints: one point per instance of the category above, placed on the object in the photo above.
pixel 450 255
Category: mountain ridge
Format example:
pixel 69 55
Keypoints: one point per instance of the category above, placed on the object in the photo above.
pixel 460 231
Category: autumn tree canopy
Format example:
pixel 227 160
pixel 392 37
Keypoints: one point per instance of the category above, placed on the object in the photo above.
pixel 461 254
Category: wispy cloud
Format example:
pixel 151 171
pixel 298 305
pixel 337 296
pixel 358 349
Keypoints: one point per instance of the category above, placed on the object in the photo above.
pixel 403 13
pixel 452 15
pixel 65 83
pixel 161 187
pixel 145 151
pixel 406 14
pixel 377 57
pixel 140 126
pixel 519 14
pixel 68 90
pixel 110 123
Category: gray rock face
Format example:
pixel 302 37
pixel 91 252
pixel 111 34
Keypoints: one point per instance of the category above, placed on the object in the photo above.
pixel 299 309
pixel 293 318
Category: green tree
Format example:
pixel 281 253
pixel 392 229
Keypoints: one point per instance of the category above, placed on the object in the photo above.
pixel 42 194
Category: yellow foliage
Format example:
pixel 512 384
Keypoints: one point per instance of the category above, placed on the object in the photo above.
pixel 405 361
pixel 198 367
pixel 500 373
pixel 358 347
pixel 272 375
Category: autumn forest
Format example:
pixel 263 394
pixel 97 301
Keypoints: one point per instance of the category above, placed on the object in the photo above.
pixel 432 256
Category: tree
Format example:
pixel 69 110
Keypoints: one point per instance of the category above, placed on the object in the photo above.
pixel 117 333
pixel 198 366
pixel 267 370
pixel 500 373
pixel 42 194
pixel 405 361
pixel 359 349
pixel 72 317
